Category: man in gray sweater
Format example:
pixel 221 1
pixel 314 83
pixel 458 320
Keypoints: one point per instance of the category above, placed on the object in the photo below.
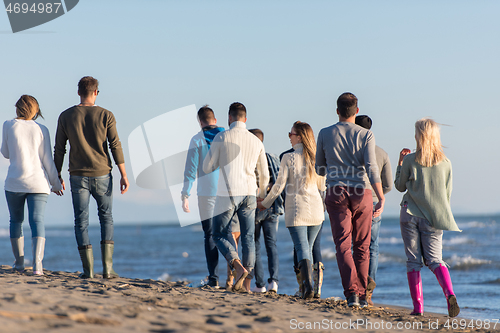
pixel 345 153
pixel 384 166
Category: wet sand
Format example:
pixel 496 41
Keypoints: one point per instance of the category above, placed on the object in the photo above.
pixel 62 302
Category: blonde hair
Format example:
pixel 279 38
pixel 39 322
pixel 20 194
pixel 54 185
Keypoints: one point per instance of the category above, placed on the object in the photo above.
pixel 429 148
pixel 306 133
pixel 27 108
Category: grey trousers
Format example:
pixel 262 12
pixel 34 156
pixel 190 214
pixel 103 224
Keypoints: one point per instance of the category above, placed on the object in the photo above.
pixel 421 240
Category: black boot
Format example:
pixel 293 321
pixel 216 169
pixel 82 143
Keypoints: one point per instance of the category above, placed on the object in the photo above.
pixel 306 275
pixel 107 248
pixel 87 257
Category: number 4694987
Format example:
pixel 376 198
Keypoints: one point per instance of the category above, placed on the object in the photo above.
pixel 40 8
pixel 456 324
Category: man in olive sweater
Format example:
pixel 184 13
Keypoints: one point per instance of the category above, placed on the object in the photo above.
pixel 90 129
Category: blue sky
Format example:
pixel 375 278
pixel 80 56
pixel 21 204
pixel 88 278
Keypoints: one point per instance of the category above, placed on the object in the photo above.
pixel 286 61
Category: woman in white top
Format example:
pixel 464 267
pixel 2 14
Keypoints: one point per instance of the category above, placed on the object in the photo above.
pixel 304 210
pixel 27 145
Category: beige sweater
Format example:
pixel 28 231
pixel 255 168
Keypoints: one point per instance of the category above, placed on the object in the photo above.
pixel 303 203
pixel 239 155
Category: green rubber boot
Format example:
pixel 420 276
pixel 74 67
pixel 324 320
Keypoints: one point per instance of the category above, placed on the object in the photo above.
pixel 107 248
pixel 87 257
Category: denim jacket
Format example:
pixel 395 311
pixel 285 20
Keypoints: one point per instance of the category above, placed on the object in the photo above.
pixel 198 149
pixel 277 208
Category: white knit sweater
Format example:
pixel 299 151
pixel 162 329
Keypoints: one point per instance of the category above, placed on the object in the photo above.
pixel 303 203
pixel 27 145
pixel 240 155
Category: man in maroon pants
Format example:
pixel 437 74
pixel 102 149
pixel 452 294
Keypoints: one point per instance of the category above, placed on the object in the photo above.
pixel 345 153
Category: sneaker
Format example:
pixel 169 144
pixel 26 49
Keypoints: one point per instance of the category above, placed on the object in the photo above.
pixel 353 300
pixel 273 286
pixel 213 283
pixel 259 289
pixel 363 304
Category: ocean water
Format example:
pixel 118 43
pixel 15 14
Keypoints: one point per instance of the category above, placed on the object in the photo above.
pixel 170 252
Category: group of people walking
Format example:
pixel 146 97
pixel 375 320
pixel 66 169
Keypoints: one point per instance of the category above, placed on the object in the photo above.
pixel 33 173
pixel 344 172
pixel 239 184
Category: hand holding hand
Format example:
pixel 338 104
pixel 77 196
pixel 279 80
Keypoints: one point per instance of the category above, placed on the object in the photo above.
pixel 62 183
pixel 59 193
pixel 259 205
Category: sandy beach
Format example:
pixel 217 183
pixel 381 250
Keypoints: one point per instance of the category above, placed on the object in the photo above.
pixel 61 302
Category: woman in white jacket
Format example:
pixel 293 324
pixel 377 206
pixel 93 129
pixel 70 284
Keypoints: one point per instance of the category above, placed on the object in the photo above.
pixel 304 210
pixel 31 172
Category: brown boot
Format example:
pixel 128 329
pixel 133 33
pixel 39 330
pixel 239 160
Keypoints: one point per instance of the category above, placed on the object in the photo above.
pixel 318 278
pixel 299 281
pixel 369 290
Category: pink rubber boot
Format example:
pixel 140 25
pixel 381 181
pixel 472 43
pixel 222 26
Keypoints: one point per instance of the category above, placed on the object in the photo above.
pixel 444 279
pixel 416 292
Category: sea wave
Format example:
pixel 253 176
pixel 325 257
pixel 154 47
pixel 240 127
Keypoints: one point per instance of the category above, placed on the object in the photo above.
pixel 390 240
pixel 471 224
pixel 466 262
pixel 164 277
pixel 4 233
pixel 196 228
pixel 59 233
pixel 328 253
pixel 458 240
pixel 390 258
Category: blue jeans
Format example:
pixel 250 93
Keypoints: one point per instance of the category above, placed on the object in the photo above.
pixel 101 189
pixel 269 226
pixel 36 209
pixel 316 250
pixel 376 222
pixel 303 238
pixel 206 207
pixel 244 207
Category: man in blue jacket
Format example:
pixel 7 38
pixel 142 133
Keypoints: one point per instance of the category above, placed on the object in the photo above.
pixel 207 185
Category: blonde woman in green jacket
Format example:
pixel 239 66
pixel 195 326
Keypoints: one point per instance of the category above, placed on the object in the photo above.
pixel 425 212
